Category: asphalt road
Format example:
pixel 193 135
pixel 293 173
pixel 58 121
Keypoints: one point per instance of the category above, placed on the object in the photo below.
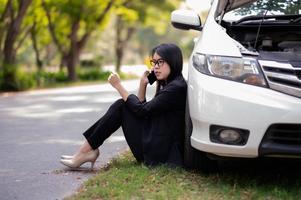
pixel 37 127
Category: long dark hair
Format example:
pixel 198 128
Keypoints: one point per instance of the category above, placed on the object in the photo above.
pixel 171 54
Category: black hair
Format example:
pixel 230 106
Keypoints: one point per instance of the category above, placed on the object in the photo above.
pixel 171 54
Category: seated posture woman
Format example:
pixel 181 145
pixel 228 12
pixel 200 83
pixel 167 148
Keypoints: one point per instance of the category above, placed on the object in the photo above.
pixel 154 130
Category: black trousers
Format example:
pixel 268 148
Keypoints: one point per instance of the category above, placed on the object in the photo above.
pixel 118 115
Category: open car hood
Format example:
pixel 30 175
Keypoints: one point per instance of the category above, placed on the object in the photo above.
pixel 228 5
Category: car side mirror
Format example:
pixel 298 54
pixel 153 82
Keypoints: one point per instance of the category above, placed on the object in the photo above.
pixel 186 19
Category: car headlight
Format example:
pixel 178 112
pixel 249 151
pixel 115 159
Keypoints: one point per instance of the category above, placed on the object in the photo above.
pixel 244 70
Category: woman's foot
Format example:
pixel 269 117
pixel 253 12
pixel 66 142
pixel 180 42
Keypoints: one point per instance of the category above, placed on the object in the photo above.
pixel 81 158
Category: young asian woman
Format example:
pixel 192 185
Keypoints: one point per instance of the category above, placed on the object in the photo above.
pixel 154 130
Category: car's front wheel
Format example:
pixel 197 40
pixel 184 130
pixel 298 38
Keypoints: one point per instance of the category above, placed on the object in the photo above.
pixel 194 159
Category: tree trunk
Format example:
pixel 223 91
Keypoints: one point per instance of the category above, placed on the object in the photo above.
pixel 77 45
pixel 73 55
pixel 119 57
pixel 118 44
pixel 70 57
pixel 39 62
pixel 121 42
pixel 72 62
pixel 4 22
pixel 9 53
pixel 64 61
pixel 33 35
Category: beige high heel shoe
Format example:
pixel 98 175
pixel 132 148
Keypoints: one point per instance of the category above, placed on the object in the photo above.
pixel 76 162
pixel 67 157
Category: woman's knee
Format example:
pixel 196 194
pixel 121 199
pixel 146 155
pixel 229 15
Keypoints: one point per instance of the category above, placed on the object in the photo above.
pixel 120 101
pixel 118 104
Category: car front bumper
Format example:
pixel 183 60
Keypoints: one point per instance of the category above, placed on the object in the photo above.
pixel 215 101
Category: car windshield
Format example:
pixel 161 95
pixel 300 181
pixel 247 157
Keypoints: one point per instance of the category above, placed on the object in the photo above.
pixel 265 7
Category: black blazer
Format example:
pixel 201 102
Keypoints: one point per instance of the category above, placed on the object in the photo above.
pixel 163 129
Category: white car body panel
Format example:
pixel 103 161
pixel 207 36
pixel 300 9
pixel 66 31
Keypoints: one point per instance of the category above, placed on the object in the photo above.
pixel 214 40
pixel 217 101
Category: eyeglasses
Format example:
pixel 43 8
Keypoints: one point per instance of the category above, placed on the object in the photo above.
pixel 160 62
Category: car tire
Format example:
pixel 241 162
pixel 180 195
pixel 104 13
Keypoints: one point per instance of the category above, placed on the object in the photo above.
pixel 195 159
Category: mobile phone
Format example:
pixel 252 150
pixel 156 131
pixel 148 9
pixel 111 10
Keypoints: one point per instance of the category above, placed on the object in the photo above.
pixel 151 78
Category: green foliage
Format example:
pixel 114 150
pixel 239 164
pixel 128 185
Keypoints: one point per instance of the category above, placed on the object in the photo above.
pixel 1 79
pixel 2 5
pixel 25 80
pixel 92 74
pixel 96 61
pixel 52 77
pixel 158 15
pixel 21 80
pixel 148 13
pixel 37 16
pixel 46 79
pixel 147 38
pixel 9 72
pixel 65 13
pixel 152 15
pixel 283 6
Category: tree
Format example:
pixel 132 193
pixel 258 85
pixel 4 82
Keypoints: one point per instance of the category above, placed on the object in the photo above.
pixel 135 13
pixel 71 23
pixel 37 21
pixel 284 6
pixel 10 23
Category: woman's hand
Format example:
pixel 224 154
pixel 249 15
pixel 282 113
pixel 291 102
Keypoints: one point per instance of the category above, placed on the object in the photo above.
pixel 144 79
pixel 114 80
pixel 143 85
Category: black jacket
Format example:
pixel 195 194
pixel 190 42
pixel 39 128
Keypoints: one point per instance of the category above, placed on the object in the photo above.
pixel 163 130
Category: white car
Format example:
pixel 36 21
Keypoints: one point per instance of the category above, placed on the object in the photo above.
pixel 244 81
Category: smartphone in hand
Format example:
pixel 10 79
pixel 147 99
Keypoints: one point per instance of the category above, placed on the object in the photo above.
pixel 151 78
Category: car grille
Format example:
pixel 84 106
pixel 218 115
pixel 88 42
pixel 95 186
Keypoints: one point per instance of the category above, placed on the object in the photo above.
pixel 284 134
pixel 281 139
pixel 283 77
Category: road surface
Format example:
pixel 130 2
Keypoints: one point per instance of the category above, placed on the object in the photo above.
pixel 37 127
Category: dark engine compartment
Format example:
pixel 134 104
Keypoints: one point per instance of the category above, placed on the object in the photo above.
pixel 273 34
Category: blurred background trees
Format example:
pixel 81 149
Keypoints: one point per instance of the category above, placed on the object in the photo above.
pixel 44 41
pixel 12 35
pixel 71 24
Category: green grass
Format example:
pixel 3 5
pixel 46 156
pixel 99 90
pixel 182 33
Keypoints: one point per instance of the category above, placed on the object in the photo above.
pixel 124 178
pixel 85 78
pixel 56 80
pixel 70 84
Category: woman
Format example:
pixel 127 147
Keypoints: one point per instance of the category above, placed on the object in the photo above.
pixel 153 130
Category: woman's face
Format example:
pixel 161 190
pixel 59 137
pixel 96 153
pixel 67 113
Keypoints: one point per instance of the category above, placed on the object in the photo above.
pixel 160 67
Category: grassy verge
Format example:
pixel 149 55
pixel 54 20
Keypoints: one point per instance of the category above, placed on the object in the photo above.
pixel 57 80
pixel 123 178
pixel 87 81
pixel 68 84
